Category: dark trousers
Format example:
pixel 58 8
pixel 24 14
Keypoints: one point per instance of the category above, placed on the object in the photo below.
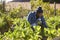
pixel 41 33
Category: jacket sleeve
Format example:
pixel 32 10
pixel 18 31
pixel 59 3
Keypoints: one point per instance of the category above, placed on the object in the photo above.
pixel 44 23
pixel 29 18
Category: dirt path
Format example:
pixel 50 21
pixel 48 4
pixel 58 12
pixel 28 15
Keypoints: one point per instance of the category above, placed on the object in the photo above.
pixel 25 5
pixel 57 6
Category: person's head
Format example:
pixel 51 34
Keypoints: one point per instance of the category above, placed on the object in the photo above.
pixel 39 12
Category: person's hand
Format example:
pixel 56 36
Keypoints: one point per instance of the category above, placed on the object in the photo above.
pixel 39 22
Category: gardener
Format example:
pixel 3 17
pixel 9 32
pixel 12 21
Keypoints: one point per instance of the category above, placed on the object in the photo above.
pixel 36 18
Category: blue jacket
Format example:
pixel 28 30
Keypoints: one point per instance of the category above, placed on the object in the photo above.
pixel 32 19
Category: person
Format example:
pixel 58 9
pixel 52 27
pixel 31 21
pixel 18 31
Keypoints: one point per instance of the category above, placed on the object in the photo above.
pixel 36 18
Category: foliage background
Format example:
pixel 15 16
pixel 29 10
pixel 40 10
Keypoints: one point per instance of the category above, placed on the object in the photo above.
pixel 14 26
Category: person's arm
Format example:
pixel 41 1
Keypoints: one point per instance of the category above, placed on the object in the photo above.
pixel 29 18
pixel 43 22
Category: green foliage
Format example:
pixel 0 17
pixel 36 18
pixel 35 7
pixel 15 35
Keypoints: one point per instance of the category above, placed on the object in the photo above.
pixel 54 21
pixel 22 32
pixel 18 12
pixel 2 23
pixel 0 7
pixel 20 29
pixel 47 10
